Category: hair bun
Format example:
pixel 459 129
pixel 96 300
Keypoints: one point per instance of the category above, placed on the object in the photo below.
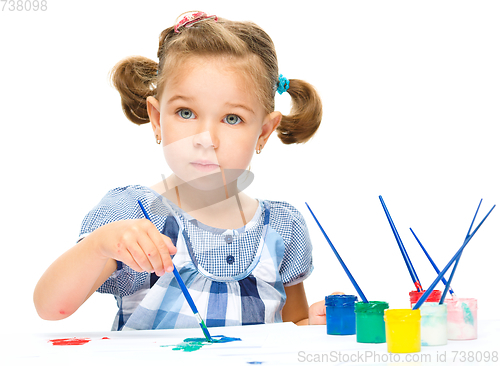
pixel 134 78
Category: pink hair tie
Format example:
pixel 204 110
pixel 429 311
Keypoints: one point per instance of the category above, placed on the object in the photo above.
pixel 190 18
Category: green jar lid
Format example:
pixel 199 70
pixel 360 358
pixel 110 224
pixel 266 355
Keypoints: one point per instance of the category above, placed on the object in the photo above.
pixel 372 307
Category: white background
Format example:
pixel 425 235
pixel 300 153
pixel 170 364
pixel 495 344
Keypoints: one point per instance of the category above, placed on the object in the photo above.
pixel 411 111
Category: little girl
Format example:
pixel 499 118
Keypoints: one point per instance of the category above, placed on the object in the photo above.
pixel 210 101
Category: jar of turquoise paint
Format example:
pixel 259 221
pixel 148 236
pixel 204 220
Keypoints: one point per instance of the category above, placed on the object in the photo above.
pixel 370 324
pixel 433 324
pixel 340 317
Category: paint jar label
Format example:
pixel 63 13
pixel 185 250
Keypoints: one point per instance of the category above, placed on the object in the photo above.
pixel 370 324
pixel 402 329
pixel 462 318
pixel 434 324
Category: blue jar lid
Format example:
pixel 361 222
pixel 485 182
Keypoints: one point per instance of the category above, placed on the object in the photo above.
pixel 340 300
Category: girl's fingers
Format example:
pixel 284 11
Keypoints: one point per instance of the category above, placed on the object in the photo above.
pixel 168 242
pixel 164 248
pixel 167 248
pixel 144 248
pixel 127 258
pixel 144 253
pixel 157 249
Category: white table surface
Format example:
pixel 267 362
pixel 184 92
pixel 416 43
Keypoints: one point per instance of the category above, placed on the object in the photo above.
pixel 272 344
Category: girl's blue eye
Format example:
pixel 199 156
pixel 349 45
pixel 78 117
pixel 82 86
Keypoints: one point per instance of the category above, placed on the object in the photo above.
pixel 185 113
pixel 232 119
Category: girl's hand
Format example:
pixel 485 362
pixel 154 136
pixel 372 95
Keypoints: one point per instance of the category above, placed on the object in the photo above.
pixel 317 311
pixel 138 244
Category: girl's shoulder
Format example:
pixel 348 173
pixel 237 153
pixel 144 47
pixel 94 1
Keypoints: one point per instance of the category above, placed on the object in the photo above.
pixel 121 203
pixel 284 217
pixel 285 209
pixel 129 193
pixel 290 225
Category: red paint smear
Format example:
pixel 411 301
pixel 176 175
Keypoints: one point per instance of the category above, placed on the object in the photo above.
pixel 104 338
pixel 69 341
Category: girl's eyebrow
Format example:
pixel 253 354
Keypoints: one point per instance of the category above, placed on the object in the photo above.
pixel 179 97
pixel 232 105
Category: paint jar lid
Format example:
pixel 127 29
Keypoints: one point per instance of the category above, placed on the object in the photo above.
pixel 456 303
pixel 402 315
pixel 340 300
pixel 434 296
pixel 433 309
pixel 371 307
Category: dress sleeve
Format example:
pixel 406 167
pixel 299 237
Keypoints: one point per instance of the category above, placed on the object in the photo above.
pixel 119 204
pixel 297 264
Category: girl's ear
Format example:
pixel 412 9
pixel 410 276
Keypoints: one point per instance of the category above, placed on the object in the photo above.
pixel 271 122
pixel 153 106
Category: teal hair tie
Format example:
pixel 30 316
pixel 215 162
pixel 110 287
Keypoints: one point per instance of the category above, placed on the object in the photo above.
pixel 283 84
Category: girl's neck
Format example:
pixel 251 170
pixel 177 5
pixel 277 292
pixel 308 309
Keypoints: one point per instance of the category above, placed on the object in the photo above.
pixel 223 207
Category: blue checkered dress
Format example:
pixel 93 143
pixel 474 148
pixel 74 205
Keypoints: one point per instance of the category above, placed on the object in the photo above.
pixel 235 277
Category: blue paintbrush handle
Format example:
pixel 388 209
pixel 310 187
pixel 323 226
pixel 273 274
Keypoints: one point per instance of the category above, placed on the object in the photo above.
pixel 438 278
pixel 458 258
pixel 360 293
pixel 190 301
pixel 474 218
pixel 430 260
pixel 443 296
pixel 144 210
pixel 406 258
pixel 184 289
pixel 442 273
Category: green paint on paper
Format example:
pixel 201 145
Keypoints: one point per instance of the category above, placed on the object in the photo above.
pixel 190 346
pixel 194 344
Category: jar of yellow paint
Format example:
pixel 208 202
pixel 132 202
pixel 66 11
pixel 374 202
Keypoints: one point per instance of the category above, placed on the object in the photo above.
pixel 402 330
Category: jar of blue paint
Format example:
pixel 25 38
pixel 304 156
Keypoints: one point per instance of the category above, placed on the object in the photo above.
pixel 340 317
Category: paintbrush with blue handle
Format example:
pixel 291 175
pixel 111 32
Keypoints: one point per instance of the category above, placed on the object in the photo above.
pixel 185 291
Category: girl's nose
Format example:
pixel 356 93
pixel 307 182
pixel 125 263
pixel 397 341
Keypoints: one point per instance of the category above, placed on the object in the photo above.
pixel 204 139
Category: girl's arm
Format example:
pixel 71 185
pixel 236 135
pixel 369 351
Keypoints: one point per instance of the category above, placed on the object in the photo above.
pixel 77 273
pixel 71 279
pixel 296 308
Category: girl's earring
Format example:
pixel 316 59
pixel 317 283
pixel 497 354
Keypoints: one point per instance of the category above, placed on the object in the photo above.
pixel 158 141
pixel 259 150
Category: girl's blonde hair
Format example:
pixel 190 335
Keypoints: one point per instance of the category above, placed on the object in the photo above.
pixel 138 77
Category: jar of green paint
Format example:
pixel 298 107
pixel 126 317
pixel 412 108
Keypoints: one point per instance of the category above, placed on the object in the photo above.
pixel 370 325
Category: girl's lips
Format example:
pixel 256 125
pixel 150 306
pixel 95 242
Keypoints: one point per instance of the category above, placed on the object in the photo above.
pixel 204 166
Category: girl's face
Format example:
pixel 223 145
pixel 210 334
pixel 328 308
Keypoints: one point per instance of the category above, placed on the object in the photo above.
pixel 210 120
